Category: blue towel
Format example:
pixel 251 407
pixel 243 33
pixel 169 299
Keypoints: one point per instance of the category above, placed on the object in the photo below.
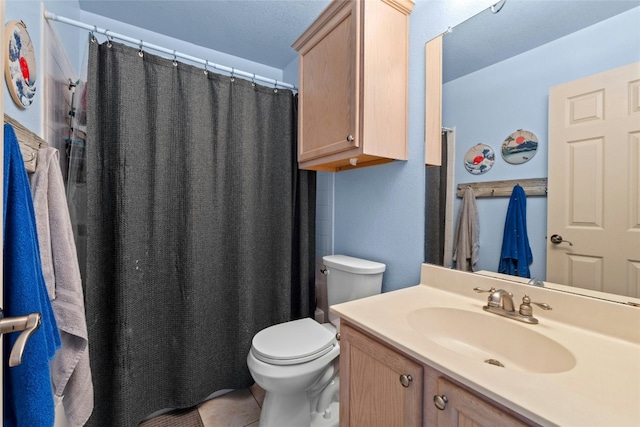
pixel 516 256
pixel 28 395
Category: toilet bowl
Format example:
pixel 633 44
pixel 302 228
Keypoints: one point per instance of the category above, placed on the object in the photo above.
pixel 296 362
pixel 292 362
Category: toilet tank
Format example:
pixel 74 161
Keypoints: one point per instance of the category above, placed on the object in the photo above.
pixel 350 278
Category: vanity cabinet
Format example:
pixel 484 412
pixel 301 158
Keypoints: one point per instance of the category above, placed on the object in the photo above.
pixel 380 386
pixel 353 85
pixel 449 404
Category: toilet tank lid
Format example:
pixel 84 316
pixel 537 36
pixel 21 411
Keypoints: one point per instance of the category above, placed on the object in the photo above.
pixel 353 265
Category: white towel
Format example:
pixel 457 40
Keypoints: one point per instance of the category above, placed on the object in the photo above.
pixel 70 370
pixel 467 238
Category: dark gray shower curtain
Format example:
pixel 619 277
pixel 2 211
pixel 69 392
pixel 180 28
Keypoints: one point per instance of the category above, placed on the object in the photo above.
pixel 435 208
pixel 200 229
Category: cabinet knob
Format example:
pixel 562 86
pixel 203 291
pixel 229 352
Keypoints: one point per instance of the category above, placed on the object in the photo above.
pixel 440 401
pixel 405 380
pixel 350 138
pixel 337 336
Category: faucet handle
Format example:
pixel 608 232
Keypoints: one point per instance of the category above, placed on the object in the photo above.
pixel 480 290
pixel 527 310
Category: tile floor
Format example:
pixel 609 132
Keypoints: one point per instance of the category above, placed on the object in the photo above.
pixel 239 408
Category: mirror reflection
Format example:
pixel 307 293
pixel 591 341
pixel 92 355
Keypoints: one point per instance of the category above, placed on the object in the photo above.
pixel 498 70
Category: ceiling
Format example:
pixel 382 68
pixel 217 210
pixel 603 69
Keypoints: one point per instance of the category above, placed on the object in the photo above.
pixel 264 30
pixel 258 30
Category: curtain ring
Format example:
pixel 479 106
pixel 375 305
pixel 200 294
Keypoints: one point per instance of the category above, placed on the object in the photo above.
pixel 140 52
pixel 253 80
pixel 92 36
pixel 206 71
pixel 109 38
pixel 233 74
pixel 175 59
pixel 275 87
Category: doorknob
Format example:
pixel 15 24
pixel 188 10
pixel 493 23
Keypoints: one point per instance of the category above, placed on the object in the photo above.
pixel 556 239
pixel 26 325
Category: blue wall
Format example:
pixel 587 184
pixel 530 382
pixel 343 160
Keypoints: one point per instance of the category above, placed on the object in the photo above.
pixel 488 105
pixel 379 211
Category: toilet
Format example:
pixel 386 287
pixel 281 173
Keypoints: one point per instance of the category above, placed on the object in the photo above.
pixel 296 362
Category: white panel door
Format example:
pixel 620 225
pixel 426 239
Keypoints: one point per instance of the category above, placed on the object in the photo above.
pixel 594 182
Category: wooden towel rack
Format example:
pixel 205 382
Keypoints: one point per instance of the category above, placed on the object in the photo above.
pixel 531 186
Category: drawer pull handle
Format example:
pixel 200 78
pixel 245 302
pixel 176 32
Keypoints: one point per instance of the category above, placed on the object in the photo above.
pixel 440 401
pixel 405 380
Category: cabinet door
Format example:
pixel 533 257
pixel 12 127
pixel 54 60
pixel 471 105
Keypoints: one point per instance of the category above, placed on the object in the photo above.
pixel 466 409
pixel 329 76
pixel 372 392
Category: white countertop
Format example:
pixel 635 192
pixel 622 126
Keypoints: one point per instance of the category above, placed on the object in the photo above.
pixel 603 389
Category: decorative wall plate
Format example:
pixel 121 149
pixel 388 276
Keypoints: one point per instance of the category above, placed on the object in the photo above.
pixel 519 147
pixel 479 159
pixel 20 64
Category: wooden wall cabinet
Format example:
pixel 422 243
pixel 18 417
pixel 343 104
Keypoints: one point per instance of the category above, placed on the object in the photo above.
pixel 375 390
pixel 353 85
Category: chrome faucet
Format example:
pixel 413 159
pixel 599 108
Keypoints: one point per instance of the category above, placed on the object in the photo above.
pixel 500 302
pixel 501 299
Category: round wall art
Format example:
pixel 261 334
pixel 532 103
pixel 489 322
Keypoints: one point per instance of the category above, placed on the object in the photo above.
pixel 479 159
pixel 20 64
pixel 519 147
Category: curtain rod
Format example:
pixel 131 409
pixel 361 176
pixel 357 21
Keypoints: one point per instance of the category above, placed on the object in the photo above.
pixel 143 44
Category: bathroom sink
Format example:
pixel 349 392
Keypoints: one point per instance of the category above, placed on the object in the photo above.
pixel 492 339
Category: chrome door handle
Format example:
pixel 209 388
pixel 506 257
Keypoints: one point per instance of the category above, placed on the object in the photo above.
pixel 26 325
pixel 556 239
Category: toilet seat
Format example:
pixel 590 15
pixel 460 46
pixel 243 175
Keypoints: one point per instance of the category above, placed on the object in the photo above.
pixel 294 342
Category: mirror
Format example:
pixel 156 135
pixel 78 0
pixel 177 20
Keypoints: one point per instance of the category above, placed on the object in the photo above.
pixel 497 71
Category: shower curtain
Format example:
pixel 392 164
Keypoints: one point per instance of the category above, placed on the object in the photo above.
pixel 200 229
pixel 435 209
